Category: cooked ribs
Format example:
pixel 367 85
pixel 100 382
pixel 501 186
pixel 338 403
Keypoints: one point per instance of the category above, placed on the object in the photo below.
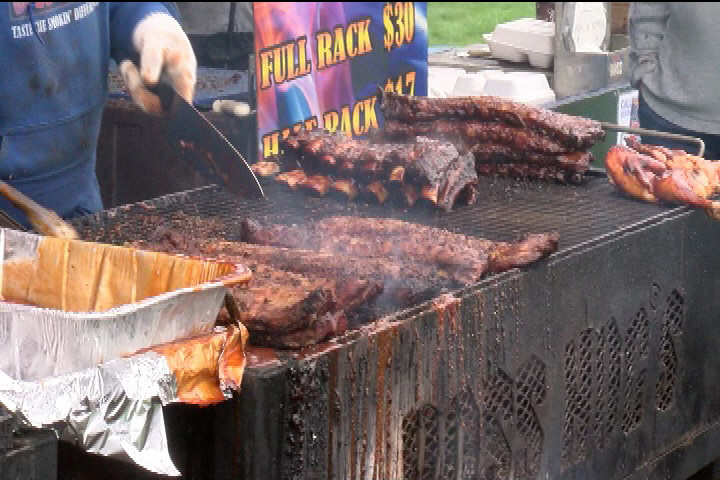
pixel 432 166
pixel 404 283
pixel 574 162
pixel 576 132
pixel 314 281
pixel 527 141
pixel 473 132
pixel 531 172
pixel 465 258
pixel 279 307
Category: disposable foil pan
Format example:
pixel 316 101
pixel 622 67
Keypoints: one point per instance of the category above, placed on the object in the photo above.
pixel 70 305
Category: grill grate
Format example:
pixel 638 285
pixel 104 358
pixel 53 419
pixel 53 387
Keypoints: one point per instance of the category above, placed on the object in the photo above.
pixel 505 210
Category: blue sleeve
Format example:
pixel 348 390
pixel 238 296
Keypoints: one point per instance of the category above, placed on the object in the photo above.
pixel 124 16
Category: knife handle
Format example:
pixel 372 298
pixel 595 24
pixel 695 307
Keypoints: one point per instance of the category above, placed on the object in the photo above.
pixel 165 93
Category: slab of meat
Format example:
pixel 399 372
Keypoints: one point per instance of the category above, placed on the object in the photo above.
pixel 468 133
pixel 466 257
pixel 531 172
pixel 491 153
pixel 278 304
pixel 570 130
pixel 439 172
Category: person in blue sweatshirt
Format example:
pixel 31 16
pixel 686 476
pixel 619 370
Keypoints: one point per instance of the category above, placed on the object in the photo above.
pixel 54 61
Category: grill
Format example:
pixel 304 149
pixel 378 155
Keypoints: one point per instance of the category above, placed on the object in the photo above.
pixel 585 365
pixel 504 210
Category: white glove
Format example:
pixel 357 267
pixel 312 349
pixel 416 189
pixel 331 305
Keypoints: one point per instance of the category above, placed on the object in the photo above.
pixel 164 49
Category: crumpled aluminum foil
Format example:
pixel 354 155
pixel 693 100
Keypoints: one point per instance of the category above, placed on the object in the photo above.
pixel 111 409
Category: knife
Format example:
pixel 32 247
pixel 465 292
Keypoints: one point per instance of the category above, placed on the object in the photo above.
pixel 195 138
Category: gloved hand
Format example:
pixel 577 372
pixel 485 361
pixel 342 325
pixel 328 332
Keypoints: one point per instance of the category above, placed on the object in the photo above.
pixel 164 49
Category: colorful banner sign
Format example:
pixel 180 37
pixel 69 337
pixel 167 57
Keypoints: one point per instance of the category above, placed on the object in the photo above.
pixel 320 64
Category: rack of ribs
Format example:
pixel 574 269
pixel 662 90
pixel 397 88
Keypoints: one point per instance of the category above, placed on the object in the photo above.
pixel 506 138
pixel 279 308
pixel 314 281
pixel 473 132
pixel 432 170
pixel 466 258
pixel 575 132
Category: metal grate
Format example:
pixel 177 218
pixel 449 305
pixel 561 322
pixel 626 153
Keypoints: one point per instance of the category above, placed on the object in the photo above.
pixel 505 210
pixel 531 384
pixel 671 328
pixel 445 444
pixel 612 365
pixel 596 363
pixel 636 352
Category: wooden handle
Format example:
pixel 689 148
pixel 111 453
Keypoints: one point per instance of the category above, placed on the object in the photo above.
pixel 44 221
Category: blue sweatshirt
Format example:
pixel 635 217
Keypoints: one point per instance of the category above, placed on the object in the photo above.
pixel 54 59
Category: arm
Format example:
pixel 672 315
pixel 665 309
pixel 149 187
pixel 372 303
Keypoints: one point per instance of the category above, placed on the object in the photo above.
pixel 647 22
pixel 147 40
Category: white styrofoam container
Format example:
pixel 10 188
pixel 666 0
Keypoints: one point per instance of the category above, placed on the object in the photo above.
pixel 442 80
pixel 506 51
pixel 525 87
pixel 469 84
pixel 524 40
pixel 540 59
pixel 527 34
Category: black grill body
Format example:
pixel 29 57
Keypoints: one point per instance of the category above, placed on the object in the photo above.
pixel 598 362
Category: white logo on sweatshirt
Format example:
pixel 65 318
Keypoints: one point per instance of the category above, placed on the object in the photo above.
pixel 52 17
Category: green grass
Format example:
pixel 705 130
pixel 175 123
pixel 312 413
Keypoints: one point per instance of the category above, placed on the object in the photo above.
pixel 463 23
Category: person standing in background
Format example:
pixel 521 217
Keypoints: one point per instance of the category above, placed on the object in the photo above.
pixel 674 64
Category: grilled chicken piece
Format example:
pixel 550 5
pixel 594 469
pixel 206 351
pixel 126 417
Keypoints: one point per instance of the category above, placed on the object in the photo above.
pixel 633 172
pixel 664 175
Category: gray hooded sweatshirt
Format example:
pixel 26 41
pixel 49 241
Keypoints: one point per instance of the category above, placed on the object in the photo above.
pixel 675 61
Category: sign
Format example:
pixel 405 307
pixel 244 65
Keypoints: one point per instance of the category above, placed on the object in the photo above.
pixel 589 26
pixel 320 64
pixel 627 113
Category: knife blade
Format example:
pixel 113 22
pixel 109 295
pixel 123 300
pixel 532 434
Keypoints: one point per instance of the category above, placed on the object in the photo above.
pixel 194 138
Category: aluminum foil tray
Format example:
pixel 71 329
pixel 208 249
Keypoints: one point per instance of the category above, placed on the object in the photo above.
pixel 70 305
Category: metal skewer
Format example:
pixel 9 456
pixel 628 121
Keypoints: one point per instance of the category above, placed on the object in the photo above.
pixel 657 133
